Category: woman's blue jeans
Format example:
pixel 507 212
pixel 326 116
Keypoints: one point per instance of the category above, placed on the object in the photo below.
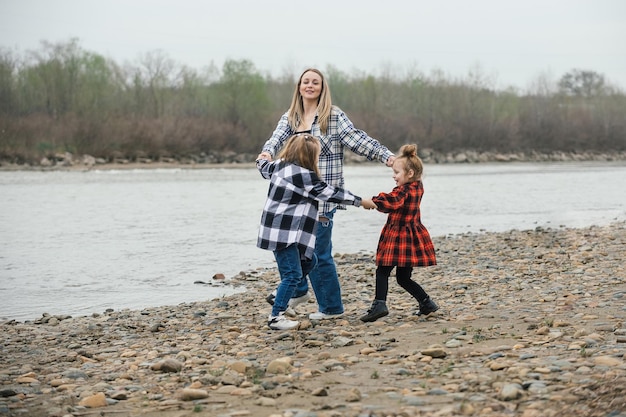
pixel 323 277
pixel 292 271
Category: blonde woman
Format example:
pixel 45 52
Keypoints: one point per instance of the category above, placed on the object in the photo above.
pixel 311 111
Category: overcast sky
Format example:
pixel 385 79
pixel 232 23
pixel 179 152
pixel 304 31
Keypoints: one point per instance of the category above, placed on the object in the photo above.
pixel 512 41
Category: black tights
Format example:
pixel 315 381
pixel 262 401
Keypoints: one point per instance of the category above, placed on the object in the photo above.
pixel 403 277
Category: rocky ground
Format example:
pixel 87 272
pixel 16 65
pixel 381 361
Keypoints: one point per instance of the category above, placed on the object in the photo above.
pixel 532 323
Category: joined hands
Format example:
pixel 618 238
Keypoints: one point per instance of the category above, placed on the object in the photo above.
pixel 368 204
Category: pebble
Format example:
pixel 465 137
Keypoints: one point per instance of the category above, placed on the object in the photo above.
pixel 531 323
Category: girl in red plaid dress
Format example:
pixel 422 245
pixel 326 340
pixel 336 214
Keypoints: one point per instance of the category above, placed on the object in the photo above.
pixel 404 241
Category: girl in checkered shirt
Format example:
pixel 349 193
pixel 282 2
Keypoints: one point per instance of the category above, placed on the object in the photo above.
pixel 289 219
pixel 404 241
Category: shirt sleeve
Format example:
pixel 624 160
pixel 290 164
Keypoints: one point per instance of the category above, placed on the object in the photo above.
pixel 313 187
pixel 279 136
pixel 360 142
pixel 388 202
pixel 319 190
pixel 265 167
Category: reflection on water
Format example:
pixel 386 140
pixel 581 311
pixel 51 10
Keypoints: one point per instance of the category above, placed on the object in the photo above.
pixel 81 242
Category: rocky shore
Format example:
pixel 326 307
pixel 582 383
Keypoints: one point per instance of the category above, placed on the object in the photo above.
pixel 532 324
pixel 232 159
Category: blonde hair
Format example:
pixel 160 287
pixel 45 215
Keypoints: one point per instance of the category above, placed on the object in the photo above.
pixel 408 157
pixel 324 104
pixel 303 150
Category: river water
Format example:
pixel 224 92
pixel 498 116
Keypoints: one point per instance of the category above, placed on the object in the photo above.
pixel 82 242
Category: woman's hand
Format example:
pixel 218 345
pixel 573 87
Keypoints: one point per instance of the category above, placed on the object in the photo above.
pixel 265 155
pixel 390 160
pixel 368 204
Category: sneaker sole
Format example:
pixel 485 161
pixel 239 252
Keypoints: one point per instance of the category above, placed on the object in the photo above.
pixel 327 317
pixel 283 328
pixel 287 328
pixel 419 313
pixel 374 318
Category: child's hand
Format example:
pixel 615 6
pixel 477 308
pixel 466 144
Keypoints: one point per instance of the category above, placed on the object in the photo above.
pixel 368 204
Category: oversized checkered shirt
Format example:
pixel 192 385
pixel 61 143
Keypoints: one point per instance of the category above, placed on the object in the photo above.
pixel 341 134
pixel 290 212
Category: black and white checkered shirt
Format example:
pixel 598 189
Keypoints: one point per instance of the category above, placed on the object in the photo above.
pixel 290 212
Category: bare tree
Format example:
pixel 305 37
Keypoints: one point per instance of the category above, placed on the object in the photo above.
pixel 153 79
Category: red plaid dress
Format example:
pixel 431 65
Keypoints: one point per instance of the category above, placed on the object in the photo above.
pixel 404 241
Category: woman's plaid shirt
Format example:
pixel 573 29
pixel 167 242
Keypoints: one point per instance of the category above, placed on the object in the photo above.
pixel 341 134
pixel 290 212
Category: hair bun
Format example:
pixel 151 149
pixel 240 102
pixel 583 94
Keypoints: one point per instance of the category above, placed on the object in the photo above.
pixel 409 151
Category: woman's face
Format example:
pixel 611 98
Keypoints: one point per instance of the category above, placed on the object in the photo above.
pixel 310 85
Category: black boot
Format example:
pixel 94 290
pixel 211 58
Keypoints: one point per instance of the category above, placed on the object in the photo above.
pixel 376 311
pixel 427 306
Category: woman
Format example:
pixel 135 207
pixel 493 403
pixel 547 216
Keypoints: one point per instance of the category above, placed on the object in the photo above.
pixel 311 111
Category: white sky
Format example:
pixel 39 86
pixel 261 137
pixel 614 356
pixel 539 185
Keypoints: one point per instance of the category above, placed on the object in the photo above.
pixel 512 42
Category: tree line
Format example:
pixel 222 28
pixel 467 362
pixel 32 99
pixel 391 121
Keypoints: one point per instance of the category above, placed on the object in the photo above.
pixel 62 98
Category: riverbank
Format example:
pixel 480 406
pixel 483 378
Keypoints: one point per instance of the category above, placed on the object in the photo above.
pixel 532 323
pixel 68 161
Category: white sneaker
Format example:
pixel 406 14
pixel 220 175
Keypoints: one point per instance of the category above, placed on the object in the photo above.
pixel 281 322
pixel 295 302
pixel 321 316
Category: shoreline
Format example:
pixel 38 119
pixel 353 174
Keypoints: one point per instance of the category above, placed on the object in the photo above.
pixel 248 165
pixel 532 324
pixel 67 161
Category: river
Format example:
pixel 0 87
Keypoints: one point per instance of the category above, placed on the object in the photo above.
pixel 82 242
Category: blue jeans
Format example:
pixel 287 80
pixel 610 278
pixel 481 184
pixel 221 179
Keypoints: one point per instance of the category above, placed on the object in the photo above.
pixel 292 271
pixel 323 277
